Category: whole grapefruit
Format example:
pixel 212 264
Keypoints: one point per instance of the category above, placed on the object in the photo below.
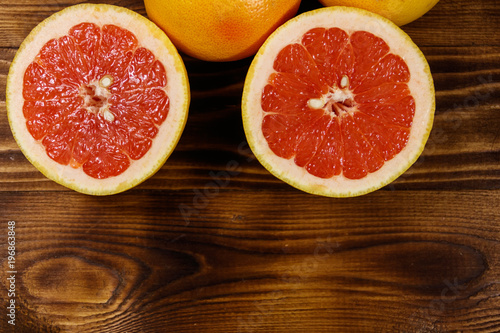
pixel 338 102
pixel 400 12
pixel 222 30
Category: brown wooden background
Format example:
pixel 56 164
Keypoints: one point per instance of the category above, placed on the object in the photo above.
pixel 252 254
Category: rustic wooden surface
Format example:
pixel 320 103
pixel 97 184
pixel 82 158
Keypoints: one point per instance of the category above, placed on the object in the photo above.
pixel 185 253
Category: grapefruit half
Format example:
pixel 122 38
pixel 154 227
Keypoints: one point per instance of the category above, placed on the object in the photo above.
pixel 97 98
pixel 338 102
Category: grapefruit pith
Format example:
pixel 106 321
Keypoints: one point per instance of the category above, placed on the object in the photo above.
pixel 97 98
pixel 338 102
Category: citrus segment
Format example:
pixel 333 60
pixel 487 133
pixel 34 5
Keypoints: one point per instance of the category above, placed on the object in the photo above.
pixel 329 105
pixel 105 127
pixel 97 97
pixel 365 74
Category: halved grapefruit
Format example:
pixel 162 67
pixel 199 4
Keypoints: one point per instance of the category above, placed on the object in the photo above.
pixel 338 102
pixel 97 98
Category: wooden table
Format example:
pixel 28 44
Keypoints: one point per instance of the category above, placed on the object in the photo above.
pixel 252 254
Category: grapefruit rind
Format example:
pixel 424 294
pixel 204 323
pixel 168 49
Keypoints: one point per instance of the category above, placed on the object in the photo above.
pixel 348 19
pixel 177 89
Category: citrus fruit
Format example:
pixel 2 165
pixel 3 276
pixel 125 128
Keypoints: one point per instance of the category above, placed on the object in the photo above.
pixel 222 30
pixel 400 12
pixel 97 98
pixel 338 102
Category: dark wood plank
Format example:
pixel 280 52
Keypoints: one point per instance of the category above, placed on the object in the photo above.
pixel 373 262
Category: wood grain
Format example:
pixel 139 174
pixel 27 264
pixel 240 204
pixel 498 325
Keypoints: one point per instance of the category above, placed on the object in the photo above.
pixel 214 243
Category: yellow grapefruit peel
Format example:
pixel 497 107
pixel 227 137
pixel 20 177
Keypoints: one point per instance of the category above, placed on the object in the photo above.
pixel 400 12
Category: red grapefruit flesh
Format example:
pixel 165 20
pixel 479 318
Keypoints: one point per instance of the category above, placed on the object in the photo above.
pixel 338 102
pixel 104 98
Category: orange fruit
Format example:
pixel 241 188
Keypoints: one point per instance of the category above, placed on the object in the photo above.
pixel 97 98
pixel 222 30
pixel 338 102
pixel 398 11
